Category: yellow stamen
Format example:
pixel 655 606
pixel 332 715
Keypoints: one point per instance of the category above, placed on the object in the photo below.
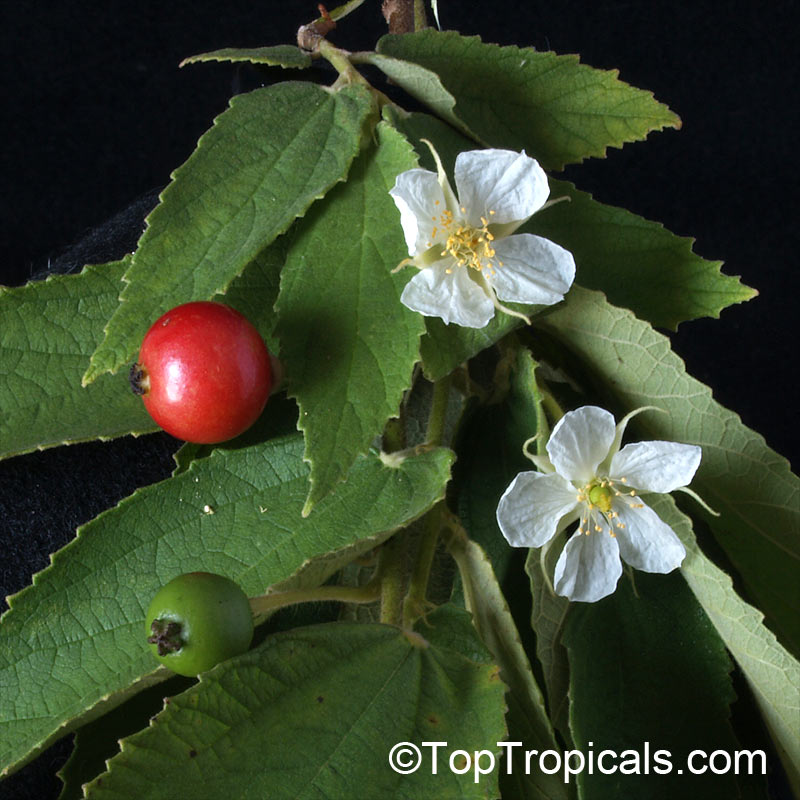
pixel 468 245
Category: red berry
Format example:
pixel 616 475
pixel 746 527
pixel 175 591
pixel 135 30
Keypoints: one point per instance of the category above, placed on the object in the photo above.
pixel 203 372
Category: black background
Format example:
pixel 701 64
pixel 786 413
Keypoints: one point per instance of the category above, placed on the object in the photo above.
pixel 98 114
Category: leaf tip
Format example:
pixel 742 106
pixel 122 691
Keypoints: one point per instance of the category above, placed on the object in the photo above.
pixel 91 374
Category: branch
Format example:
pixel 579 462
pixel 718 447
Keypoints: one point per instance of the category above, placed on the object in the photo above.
pixel 404 16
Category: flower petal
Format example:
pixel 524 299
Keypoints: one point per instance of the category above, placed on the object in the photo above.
pixel 510 184
pixel 419 197
pixel 530 509
pixel 620 432
pixel 656 466
pixel 534 270
pixel 646 542
pixel 588 568
pixel 453 296
pixel 580 441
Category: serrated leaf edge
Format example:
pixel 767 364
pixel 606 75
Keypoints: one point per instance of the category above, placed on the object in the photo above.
pixel 684 244
pixel 94 371
pixel 674 121
pixel 237 54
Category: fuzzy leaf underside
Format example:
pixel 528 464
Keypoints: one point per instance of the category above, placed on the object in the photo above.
pixel 773 675
pixel 291 142
pixel 74 638
pixel 282 55
pixel 749 484
pixel 348 343
pixel 639 264
pixel 556 109
pixel 283 721
pixel 49 330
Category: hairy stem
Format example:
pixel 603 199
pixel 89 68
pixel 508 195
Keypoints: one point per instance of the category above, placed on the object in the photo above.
pixel 265 604
pixel 415 602
pixel 392 576
pixel 340 60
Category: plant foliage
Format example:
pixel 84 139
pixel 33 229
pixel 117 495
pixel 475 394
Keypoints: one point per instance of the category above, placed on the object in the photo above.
pixel 373 479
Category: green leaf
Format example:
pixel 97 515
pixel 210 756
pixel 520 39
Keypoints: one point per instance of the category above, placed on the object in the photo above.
pixel 99 740
pixel 483 472
pixel 527 716
pixel 262 164
pixel 255 291
pixel 739 476
pixel 558 110
pixel 489 459
pixel 348 344
pixel 639 264
pixel 71 645
pixel 491 456
pixel 648 672
pixel 445 347
pixel 548 620
pixel 421 84
pixel 315 712
pixel 417 126
pixel 50 329
pixel 773 675
pixel 282 55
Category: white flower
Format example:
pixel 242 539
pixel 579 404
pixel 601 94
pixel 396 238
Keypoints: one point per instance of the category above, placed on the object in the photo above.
pixel 587 477
pixel 467 258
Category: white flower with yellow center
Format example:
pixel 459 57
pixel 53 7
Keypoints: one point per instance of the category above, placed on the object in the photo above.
pixel 586 477
pixel 463 246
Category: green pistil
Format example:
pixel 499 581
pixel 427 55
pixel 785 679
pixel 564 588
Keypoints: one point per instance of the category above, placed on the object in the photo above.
pixel 601 496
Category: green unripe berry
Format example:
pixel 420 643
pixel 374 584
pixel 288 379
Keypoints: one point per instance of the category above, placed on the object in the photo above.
pixel 197 620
